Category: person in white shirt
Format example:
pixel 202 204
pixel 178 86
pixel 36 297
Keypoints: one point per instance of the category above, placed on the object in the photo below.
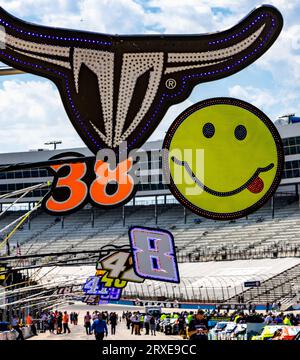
pixel 135 319
pixel 147 323
pixel 268 319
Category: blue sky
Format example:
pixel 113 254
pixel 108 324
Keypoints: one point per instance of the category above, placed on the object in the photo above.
pixel 31 111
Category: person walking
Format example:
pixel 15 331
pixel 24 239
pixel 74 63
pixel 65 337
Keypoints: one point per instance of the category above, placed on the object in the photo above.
pixel 16 326
pixel 132 322
pixel 128 320
pixel 99 326
pixel 59 323
pixel 135 319
pixel 141 323
pixel 65 322
pixel 87 323
pixel 76 318
pixel 113 322
pixel 30 324
pixel 198 327
pixel 147 323
pixel 152 324
pixel 181 325
pixel 43 320
pixel 51 322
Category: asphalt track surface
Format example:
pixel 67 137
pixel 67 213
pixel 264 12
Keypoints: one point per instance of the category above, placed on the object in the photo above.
pixel 122 333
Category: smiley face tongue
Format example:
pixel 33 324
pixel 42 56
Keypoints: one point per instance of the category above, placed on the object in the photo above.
pixel 256 186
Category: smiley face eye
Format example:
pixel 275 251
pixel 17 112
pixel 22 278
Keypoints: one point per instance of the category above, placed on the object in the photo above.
pixel 208 130
pixel 240 132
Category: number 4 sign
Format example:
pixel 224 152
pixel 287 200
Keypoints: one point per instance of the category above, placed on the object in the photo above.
pixel 154 254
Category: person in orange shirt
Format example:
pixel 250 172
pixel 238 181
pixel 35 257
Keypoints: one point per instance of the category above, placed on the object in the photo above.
pixel 29 323
pixel 66 323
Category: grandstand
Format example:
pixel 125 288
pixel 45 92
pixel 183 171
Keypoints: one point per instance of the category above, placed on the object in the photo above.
pixel 207 243
pixel 266 242
pixel 258 236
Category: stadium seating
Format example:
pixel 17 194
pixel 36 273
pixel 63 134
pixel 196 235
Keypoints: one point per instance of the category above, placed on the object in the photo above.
pixel 259 236
pixel 279 288
pixel 198 239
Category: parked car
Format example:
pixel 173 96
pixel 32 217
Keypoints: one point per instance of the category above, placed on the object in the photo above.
pixel 267 332
pixel 277 332
pixel 287 333
pixel 169 326
pixel 223 330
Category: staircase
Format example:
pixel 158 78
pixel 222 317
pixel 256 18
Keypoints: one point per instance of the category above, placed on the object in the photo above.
pixel 272 289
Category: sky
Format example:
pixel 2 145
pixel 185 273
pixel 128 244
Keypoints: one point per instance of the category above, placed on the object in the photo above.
pixel 31 111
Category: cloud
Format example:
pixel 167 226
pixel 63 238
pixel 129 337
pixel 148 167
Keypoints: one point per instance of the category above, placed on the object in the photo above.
pixel 170 116
pixel 274 104
pixel 31 114
pixel 258 97
pixel 37 8
pixel 283 59
pixel 35 111
pixel 109 16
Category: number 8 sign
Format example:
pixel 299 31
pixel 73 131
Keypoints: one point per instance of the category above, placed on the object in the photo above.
pixel 154 254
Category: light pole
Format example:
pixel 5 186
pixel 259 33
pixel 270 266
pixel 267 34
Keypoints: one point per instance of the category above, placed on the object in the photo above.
pixel 54 143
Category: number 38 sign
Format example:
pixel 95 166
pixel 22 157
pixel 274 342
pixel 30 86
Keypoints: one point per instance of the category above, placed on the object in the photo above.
pixel 98 182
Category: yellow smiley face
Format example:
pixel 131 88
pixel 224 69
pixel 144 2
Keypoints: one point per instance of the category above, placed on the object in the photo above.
pixel 223 157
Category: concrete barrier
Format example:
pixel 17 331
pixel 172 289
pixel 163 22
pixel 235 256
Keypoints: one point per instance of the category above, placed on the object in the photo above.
pixel 12 334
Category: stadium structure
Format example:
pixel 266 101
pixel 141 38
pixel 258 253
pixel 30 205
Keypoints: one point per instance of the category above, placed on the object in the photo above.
pixel 40 253
pixel 216 258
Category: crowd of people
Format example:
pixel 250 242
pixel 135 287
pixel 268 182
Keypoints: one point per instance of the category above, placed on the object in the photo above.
pixel 137 321
pixel 57 321
pixel 188 324
pixel 97 322
pixel 196 325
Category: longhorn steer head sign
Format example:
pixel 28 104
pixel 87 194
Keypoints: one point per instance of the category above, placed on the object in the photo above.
pixel 118 88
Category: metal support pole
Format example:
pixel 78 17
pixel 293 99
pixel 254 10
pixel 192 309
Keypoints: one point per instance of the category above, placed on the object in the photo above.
pixel 133 201
pixel 167 291
pixel 184 214
pixel 7 247
pixel 297 191
pixel 123 215
pixel 62 222
pixel 192 290
pixel 149 294
pixel 173 291
pixel 207 295
pixel 93 217
pixel 273 206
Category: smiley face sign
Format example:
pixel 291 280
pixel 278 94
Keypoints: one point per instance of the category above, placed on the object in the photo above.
pixel 223 158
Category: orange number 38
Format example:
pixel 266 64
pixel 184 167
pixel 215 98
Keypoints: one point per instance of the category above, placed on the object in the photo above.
pixel 86 183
